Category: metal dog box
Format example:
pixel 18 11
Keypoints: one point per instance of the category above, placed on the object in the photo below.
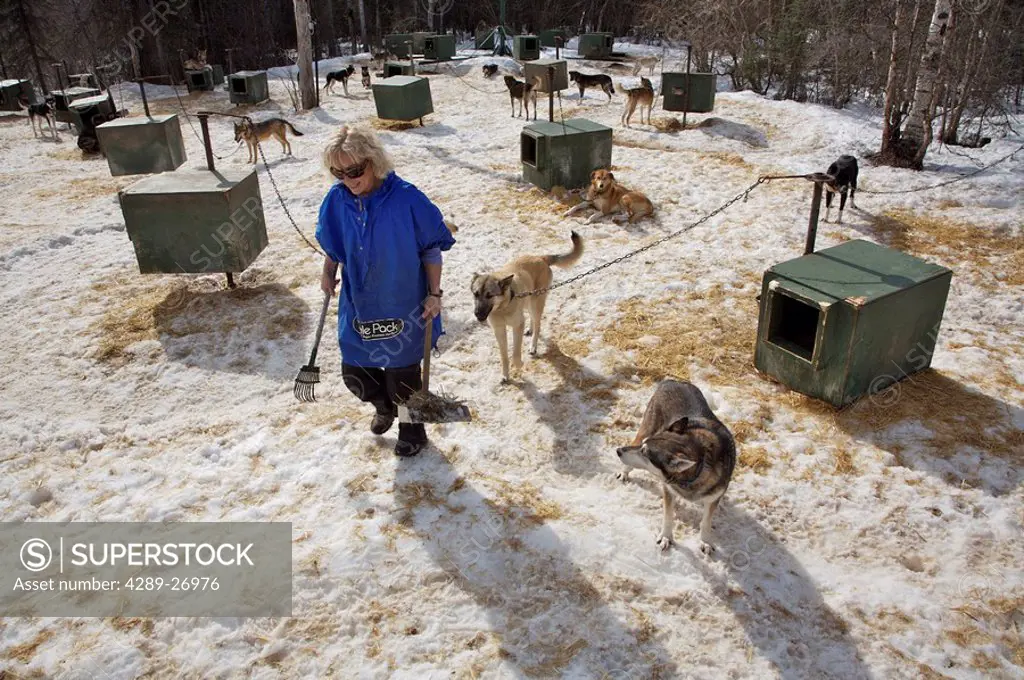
pixel 690 92
pixel 439 47
pixel 62 101
pixel 218 74
pixel 550 37
pixel 596 45
pixel 539 69
pixel 12 90
pixel 140 146
pixel 248 87
pixel 849 320
pixel 525 47
pixel 195 221
pixel 201 80
pixel 402 98
pixel 564 154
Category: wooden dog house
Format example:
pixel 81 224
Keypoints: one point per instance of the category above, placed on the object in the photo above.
pixel 403 98
pixel 539 69
pixel 248 87
pixel 525 47
pixel 199 81
pixel 195 221
pixel 689 92
pixel 147 145
pixel 596 45
pixel 62 100
pixel 439 47
pixel 12 91
pixel 564 154
pixel 849 320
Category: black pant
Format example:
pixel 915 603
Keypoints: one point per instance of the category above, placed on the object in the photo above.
pixel 382 387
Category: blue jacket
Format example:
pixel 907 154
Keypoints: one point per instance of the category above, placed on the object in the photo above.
pixel 378 241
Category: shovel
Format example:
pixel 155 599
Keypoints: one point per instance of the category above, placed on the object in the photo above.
pixel 424 407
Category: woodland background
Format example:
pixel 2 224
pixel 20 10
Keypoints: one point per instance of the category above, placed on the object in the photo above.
pixel 832 52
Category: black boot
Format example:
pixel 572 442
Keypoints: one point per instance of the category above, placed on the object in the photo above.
pixel 412 437
pixel 385 416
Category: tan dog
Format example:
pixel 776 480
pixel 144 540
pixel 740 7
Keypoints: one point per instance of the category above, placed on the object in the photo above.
pixel 642 96
pixel 197 64
pixel 609 197
pixel 496 301
pixel 649 62
pixel 254 132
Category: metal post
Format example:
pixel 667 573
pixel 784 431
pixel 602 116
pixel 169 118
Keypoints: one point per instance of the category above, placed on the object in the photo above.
pixel 204 125
pixel 412 61
pixel 56 69
pixel 3 67
pixel 145 102
pixel 231 60
pixel 551 96
pixel 812 224
pixel 686 106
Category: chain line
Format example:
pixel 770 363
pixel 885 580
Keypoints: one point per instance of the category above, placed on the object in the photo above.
pixel 280 198
pixel 742 195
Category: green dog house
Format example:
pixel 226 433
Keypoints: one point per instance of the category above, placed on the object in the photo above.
pixel 525 47
pixel 195 221
pixel 849 320
pixel 419 41
pixel 549 37
pixel 539 69
pixel 596 45
pixel 564 154
pixel 13 90
pixel 86 108
pixel 62 100
pixel 689 92
pixel 403 98
pixel 142 146
pixel 398 68
pixel 248 87
pixel 398 44
pixel 439 47
pixel 199 81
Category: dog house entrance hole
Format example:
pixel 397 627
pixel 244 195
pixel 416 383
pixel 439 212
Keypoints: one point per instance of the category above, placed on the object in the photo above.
pixel 238 85
pixel 793 325
pixel 198 79
pixel 529 150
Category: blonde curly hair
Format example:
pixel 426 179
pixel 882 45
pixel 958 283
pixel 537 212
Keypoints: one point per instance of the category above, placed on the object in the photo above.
pixel 360 144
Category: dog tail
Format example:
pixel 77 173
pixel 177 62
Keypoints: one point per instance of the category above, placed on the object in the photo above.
pixel 292 128
pixel 535 83
pixel 569 259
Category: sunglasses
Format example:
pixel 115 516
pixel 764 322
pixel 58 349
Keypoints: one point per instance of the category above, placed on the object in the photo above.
pixel 353 172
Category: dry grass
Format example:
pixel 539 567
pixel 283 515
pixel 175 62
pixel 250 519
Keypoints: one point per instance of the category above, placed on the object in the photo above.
pixel 982 251
pixel 843 462
pixel 618 140
pixel 726 158
pixel 82 190
pixel 754 457
pixel 24 652
pixel 524 502
pixel 955 415
pixel 692 328
pixel 392 125
pixel 667 124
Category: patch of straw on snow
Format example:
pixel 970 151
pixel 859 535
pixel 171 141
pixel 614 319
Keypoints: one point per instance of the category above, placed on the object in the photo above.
pixel 982 252
pixel 25 652
pixel 392 125
pixel 82 189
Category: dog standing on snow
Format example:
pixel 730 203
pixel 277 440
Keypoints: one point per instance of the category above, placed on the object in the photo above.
pixel 689 450
pixel 496 302
pixel 844 172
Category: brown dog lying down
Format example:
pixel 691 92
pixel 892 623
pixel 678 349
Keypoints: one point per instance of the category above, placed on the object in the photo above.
pixel 609 197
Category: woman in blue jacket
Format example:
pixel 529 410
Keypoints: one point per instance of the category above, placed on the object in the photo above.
pixel 387 239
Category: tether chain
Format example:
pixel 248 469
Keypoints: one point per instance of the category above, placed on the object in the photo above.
pixel 280 198
pixel 742 195
pixel 188 119
pixel 948 182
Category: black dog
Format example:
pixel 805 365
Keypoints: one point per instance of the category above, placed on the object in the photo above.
pixel 844 173
pixel 42 110
pixel 490 70
pixel 600 80
pixel 365 72
pixel 339 76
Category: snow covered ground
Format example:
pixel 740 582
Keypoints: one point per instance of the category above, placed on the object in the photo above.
pixel 882 541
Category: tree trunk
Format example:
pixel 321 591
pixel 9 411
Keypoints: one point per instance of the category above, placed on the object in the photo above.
pixel 31 45
pixel 917 133
pixel 307 84
pixel 911 75
pixel 890 82
pixel 362 26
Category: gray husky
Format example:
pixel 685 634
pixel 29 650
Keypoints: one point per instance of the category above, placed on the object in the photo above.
pixel 687 448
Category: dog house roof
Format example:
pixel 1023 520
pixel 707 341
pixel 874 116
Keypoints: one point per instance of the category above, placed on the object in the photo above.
pixel 139 120
pixel 247 74
pixel 858 271
pixel 190 182
pixel 11 83
pixel 573 126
